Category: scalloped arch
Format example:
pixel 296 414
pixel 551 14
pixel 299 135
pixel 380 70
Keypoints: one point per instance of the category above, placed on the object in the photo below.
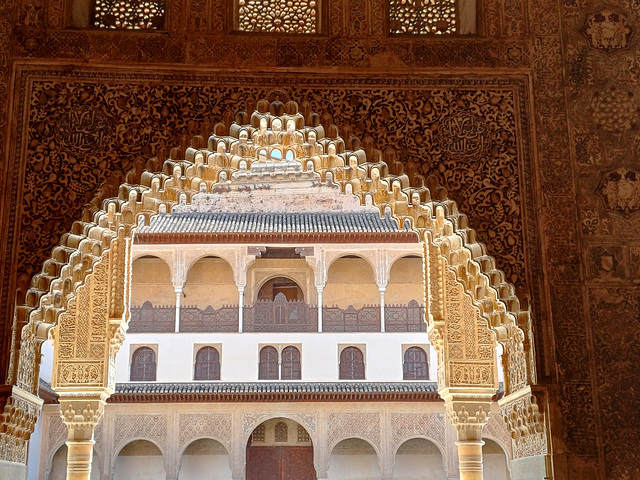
pixel 91 266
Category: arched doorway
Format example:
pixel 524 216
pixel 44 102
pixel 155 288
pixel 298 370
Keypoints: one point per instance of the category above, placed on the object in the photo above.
pixel 353 459
pixel 205 459
pixel 287 287
pixel 419 459
pixel 494 461
pixel 280 449
pixel 139 460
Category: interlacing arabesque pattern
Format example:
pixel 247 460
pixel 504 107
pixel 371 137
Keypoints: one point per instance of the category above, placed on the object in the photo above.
pixel 91 262
pixel 463 138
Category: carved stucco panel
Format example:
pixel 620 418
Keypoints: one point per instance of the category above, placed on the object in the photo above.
pixel 405 426
pixel 361 425
pixel 192 426
pixel 144 426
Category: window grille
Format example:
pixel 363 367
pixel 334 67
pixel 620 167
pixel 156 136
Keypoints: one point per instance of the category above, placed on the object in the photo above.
pixel 423 16
pixel 415 364
pixel 303 435
pixel 207 364
pixel 268 369
pixel 129 14
pixel 351 364
pixel 143 365
pixel 277 16
pixel 258 433
pixel 291 364
pixel 282 432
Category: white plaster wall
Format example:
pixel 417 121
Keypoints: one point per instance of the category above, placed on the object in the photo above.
pixel 239 355
pixel 419 459
pixel 353 467
pixel 205 467
pixel 495 466
pixel 146 467
pixel 353 459
pixel 421 467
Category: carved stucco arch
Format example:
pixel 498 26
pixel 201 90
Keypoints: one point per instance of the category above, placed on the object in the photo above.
pixel 125 442
pixel 262 281
pixel 441 449
pixel 81 297
pixel 349 436
pixel 333 257
pixel 191 261
pixel 183 448
pixel 188 442
pixel 299 419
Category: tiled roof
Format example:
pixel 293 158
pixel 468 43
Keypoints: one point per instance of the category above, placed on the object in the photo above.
pixel 274 391
pixel 278 387
pixel 321 222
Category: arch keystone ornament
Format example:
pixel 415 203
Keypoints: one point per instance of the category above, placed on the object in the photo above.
pixel 81 298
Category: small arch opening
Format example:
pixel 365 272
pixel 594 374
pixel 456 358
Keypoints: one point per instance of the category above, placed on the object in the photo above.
pixel 140 459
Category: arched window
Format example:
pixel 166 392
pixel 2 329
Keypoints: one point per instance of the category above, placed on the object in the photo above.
pixel 291 364
pixel 415 364
pixel 143 365
pixel 268 364
pixel 351 364
pixel 207 364
pixel 281 432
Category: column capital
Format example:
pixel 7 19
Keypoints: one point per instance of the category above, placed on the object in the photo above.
pixel 81 413
pixel 468 418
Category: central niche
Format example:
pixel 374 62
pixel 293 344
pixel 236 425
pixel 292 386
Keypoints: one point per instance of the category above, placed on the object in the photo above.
pixel 281 286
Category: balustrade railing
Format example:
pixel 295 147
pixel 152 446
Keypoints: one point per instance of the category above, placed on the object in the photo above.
pixel 280 315
pixel 277 315
pixel 194 319
pixel 365 319
pixel 404 318
pixel 148 318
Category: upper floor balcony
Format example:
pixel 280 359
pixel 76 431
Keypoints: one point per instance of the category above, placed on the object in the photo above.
pixel 277 315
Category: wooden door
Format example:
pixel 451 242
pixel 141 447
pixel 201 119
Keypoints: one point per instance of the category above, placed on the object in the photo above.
pixel 280 463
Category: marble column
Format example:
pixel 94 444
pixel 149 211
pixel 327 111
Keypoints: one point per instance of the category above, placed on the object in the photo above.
pixel 468 416
pixel 319 308
pixel 81 415
pixel 178 291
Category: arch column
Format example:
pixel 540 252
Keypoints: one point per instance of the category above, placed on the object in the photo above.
pixel 320 288
pixel 179 279
pixel 382 290
pixel 469 414
pixel 81 414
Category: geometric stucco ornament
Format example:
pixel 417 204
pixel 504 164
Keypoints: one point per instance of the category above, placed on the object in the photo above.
pixel 607 30
pixel 464 135
pixel 620 190
pixel 614 109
